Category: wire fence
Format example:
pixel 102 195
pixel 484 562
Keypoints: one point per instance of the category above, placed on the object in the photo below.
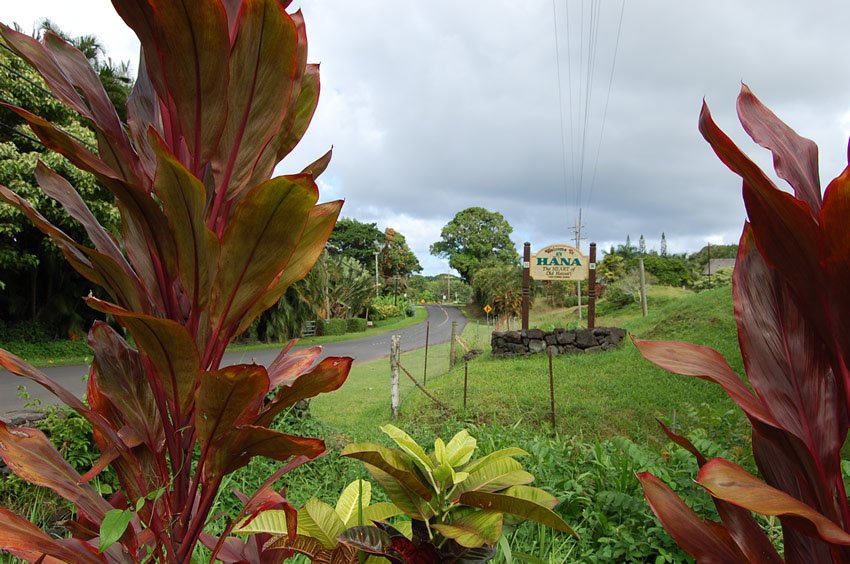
pixel 411 371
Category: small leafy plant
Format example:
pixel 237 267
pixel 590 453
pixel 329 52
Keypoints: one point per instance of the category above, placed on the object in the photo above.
pixel 457 505
pixel 209 241
pixel 792 308
pixel 319 524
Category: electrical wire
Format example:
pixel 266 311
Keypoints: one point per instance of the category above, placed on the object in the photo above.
pixel 41 89
pixel 607 99
pixel 560 101
pixel 583 91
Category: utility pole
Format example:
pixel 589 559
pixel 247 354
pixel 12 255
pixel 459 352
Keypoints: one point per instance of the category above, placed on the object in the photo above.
pixel 449 286
pixel 578 238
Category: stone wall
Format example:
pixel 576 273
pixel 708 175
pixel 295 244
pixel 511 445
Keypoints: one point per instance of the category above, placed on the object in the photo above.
pixel 560 341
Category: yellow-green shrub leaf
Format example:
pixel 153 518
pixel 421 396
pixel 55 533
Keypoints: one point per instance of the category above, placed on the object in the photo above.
pixel 474 529
pixel 357 494
pixel 460 448
pixel 478 463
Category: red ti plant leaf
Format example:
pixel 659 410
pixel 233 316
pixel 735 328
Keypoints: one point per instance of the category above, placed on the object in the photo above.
pixel 834 248
pixel 320 224
pixel 265 79
pixel 31 456
pixel 208 243
pixel 184 199
pixel 738 522
pixel 61 190
pixel 327 376
pixel 795 158
pixel 730 482
pixel 289 365
pixel 119 376
pixel 263 236
pixel 24 540
pixel 168 345
pixel 792 310
pixel 187 51
pixel 706 541
pixel 705 363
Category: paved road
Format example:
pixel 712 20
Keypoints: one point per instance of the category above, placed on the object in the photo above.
pixel 369 348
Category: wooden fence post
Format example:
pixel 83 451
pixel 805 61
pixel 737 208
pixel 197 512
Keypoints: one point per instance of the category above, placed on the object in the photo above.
pixel 465 376
pixel 395 350
pixel 643 306
pixel 452 345
pixel 591 288
pixel 425 369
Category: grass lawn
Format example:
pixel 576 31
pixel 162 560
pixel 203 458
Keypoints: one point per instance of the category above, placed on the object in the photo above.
pixel 597 396
pixel 65 352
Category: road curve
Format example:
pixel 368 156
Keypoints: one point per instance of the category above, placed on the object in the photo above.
pixel 368 348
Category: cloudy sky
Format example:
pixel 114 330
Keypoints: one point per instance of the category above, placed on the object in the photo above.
pixel 433 107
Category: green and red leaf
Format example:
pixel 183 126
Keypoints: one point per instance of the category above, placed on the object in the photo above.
pixel 706 541
pixel 168 345
pixel 728 481
pixel 794 157
pixel 688 359
pixel 326 376
pixel 261 239
pixel 26 541
pixel 32 457
pixel 265 79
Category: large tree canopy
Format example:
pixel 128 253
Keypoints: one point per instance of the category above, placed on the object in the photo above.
pixel 358 240
pixel 476 238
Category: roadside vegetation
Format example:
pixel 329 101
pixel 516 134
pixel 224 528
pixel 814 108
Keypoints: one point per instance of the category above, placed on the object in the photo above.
pixel 606 406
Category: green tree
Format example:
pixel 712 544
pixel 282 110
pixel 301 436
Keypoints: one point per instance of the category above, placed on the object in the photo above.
pixel 612 268
pixel 476 238
pixel 358 240
pixel 672 270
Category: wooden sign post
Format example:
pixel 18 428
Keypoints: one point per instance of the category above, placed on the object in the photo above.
pixel 591 290
pixel 526 283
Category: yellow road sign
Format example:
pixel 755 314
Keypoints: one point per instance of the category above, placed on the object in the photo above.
pixel 487 308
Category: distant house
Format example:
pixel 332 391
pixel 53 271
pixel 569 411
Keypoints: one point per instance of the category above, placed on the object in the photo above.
pixel 716 264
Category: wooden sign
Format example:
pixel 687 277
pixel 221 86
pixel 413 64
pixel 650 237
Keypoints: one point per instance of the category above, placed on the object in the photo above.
pixel 559 262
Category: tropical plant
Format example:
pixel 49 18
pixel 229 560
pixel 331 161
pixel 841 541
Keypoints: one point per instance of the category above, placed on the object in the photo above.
pixel 209 241
pixel 319 525
pixel 793 314
pixel 501 287
pixel 457 505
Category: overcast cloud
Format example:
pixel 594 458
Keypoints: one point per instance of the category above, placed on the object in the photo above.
pixel 436 106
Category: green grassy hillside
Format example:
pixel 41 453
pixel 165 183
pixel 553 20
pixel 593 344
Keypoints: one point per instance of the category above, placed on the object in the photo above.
pixel 602 395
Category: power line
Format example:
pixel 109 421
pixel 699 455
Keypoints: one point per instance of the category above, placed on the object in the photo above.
pixel 24 135
pixel 560 102
pixel 607 98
